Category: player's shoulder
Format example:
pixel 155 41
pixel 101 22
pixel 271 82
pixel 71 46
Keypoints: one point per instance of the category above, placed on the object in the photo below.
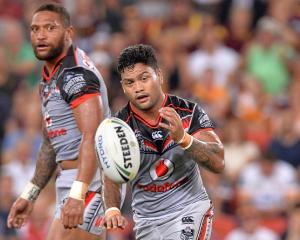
pixel 180 103
pixel 83 60
pixel 76 67
pixel 77 61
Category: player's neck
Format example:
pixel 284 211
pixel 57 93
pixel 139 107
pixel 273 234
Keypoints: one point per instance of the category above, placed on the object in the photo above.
pixel 51 64
pixel 151 115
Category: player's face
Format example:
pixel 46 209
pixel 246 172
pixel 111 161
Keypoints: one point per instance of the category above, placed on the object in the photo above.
pixel 48 35
pixel 142 85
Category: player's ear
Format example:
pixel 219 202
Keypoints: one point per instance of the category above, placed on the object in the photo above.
pixel 122 86
pixel 69 33
pixel 160 76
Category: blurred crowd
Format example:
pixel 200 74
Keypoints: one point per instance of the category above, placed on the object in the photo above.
pixel 240 59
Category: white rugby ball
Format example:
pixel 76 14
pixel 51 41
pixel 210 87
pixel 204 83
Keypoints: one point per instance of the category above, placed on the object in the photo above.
pixel 117 150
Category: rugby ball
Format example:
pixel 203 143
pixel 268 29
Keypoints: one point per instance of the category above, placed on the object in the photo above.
pixel 117 150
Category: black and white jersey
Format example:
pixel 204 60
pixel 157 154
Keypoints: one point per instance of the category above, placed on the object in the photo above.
pixel 74 80
pixel 168 179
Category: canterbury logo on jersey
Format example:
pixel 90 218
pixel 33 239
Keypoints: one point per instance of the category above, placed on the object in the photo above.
pixel 157 135
pixel 187 220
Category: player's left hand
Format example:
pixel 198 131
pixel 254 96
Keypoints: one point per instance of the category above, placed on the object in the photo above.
pixel 72 213
pixel 174 123
pixel 113 220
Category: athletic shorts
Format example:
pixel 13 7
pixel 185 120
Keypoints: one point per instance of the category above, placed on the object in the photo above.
pixel 191 223
pixel 93 213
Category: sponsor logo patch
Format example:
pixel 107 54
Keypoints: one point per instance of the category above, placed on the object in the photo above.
pixel 57 133
pixel 161 169
pixel 163 187
pixel 187 234
pixel 74 83
pixel 157 135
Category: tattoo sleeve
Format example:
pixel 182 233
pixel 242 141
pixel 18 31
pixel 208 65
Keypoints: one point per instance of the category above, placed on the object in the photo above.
pixel 208 154
pixel 45 164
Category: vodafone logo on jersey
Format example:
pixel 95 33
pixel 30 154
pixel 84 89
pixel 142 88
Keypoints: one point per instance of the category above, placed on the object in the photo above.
pixel 161 169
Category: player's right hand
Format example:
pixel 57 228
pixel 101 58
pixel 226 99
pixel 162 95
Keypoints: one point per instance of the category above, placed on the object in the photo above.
pixel 113 220
pixel 19 213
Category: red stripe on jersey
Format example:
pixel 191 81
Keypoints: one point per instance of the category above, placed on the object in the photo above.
pixel 150 145
pixel 182 109
pixel 88 198
pixel 82 99
pixel 56 67
pixel 204 224
pixel 127 120
pixel 167 142
pixel 186 122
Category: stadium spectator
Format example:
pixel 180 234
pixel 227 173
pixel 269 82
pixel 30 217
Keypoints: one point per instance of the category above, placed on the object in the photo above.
pixel 286 141
pixel 213 54
pixel 239 28
pixel 258 180
pixel 267 58
pixel 19 54
pixel 21 167
pixel 250 229
pixel 239 151
pixel 7 196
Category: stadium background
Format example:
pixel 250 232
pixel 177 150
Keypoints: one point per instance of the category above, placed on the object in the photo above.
pixel 238 58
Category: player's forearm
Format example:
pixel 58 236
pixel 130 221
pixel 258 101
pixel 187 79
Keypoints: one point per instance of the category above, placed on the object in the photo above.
pixel 88 115
pixel 45 164
pixel 111 193
pixel 208 154
pixel 87 160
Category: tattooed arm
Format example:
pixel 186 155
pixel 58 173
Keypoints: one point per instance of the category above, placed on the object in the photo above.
pixel 208 151
pixel 45 164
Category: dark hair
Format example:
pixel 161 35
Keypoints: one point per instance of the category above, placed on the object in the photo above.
pixel 269 155
pixel 134 54
pixel 60 10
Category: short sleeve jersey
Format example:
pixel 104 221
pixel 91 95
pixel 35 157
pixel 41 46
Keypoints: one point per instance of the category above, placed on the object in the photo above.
pixel 168 179
pixel 73 80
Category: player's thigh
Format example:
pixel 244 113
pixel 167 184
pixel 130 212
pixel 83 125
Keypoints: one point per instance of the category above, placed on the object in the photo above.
pixel 193 228
pixel 58 232
pixel 193 222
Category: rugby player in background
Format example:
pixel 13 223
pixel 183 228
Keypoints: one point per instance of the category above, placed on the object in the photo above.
pixel 175 137
pixel 74 101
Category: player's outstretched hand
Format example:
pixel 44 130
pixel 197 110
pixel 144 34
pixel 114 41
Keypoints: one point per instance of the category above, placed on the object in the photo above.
pixel 113 219
pixel 174 123
pixel 19 213
pixel 72 213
